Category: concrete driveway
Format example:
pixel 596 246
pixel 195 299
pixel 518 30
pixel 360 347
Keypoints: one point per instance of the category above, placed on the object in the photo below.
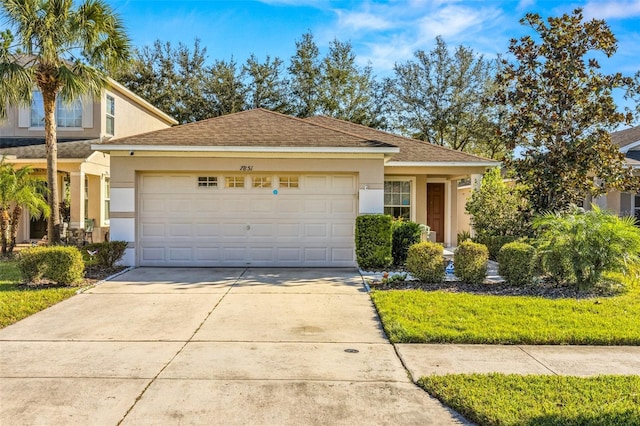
pixel 211 346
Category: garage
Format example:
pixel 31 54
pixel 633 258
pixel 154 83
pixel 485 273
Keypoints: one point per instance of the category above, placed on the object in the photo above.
pixel 241 219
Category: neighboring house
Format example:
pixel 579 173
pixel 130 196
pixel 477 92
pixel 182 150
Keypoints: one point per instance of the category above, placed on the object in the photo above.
pixel 624 204
pixel 264 189
pixel 83 174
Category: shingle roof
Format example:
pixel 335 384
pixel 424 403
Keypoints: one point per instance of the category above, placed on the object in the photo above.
pixel 626 137
pixel 10 142
pixel 252 128
pixel 411 150
pixel 66 150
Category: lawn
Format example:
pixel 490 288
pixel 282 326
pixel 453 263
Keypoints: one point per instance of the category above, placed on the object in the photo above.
pixel 416 316
pixel 18 302
pixel 498 399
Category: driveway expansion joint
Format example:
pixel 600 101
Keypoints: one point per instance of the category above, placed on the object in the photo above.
pixel 538 361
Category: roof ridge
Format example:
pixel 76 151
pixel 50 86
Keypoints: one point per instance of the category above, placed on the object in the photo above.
pixel 408 139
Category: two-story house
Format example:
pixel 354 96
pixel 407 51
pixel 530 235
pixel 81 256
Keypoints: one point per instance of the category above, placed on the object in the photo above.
pixel 83 174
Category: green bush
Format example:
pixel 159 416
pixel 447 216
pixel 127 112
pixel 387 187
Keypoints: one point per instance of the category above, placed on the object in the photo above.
pixel 63 265
pixel 107 252
pixel 516 263
pixel 470 260
pixel 373 241
pixel 425 262
pixel 495 242
pixel 584 245
pixel 404 234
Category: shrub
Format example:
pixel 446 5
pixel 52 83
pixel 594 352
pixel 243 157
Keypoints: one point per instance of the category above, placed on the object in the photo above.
pixel 516 263
pixel 425 262
pixel 404 234
pixel 373 241
pixel 470 260
pixel 107 252
pixel 463 236
pixel 63 265
pixel 495 242
pixel 590 244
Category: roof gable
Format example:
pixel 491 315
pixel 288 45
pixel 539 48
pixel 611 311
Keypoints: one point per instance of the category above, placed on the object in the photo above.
pixel 252 128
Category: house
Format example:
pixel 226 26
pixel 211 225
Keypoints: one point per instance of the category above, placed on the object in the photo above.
pixel 83 174
pixel 622 203
pixel 264 189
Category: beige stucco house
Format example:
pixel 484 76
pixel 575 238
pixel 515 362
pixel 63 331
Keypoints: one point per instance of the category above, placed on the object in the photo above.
pixel 623 203
pixel 83 174
pixel 265 189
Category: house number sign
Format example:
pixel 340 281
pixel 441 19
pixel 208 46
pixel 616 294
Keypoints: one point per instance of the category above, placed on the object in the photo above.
pixel 246 168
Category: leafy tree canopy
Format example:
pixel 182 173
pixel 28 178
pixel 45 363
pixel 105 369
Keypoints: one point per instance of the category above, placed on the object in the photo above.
pixel 560 109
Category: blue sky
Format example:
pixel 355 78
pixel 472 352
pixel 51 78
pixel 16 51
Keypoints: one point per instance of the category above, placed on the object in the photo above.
pixel 381 32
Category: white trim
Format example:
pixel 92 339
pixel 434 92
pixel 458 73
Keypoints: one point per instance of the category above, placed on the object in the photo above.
pixel 442 163
pixel 628 147
pixel 294 149
pixel 413 188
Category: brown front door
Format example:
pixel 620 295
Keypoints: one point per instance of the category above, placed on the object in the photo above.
pixel 435 209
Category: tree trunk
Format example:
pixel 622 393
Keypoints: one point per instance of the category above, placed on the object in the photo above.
pixel 15 223
pixel 4 224
pixel 53 224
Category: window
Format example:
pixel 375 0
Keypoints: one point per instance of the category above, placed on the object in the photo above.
pixel 262 181
pixel 107 198
pixel 86 196
pixel 289 182
pixel 234 182
pixel 636 209
pixel 111 112
pixel 67 115
pixel 397 198
pixel 207 182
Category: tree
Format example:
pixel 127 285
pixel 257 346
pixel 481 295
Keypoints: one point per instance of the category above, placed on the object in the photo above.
pixel 18 190
pixel 305 77
pixel 266 86
pixel 560 109
pixel 439 98
pixel 225 88
pixel 180 71
pixel 51 37
pixel 347 92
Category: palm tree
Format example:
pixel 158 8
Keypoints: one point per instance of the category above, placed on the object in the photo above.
pixel 18 189
pixel 63 51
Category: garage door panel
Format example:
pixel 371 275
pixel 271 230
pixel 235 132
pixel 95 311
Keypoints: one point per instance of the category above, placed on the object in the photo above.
pixel 182 224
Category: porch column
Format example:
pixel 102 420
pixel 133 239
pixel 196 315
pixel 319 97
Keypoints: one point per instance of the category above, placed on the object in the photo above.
pixel 77 200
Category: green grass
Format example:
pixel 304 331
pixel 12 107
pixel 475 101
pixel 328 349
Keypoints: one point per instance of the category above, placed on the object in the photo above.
pixel 498 399
pixel 415 316
pixel 17 303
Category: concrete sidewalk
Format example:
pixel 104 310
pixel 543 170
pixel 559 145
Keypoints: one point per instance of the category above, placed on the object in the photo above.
pixel 211 346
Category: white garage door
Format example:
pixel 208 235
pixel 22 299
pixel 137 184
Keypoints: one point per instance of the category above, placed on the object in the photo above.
pixel 216 219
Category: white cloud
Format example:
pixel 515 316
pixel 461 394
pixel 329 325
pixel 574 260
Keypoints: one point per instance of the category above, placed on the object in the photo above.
pixel 612 9
pixel 450 22
pixel 357 21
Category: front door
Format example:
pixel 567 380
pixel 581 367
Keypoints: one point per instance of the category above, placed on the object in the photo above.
pixel 435 209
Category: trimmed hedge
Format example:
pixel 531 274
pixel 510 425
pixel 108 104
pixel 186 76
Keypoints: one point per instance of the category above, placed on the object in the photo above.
pixel 516 263
pixel 107 252
pixel 495 242
pixel 63 265
pixel 373 241
pixel 425 262
pixel 404 234
pixel 470 260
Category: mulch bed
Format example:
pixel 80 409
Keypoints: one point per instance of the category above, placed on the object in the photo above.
pixel 545 289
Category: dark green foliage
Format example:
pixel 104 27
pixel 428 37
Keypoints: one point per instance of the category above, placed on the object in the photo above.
pixel 470 261
pixel 425 262
pixel 582 246
pixel 560 107
pixel 404 235
pixel 495 242
pixel 63 265
pixel 516 263
pixel 373 241
pixel 107 252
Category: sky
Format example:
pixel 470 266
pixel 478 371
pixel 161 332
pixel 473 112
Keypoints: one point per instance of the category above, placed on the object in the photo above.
pixel 382 33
